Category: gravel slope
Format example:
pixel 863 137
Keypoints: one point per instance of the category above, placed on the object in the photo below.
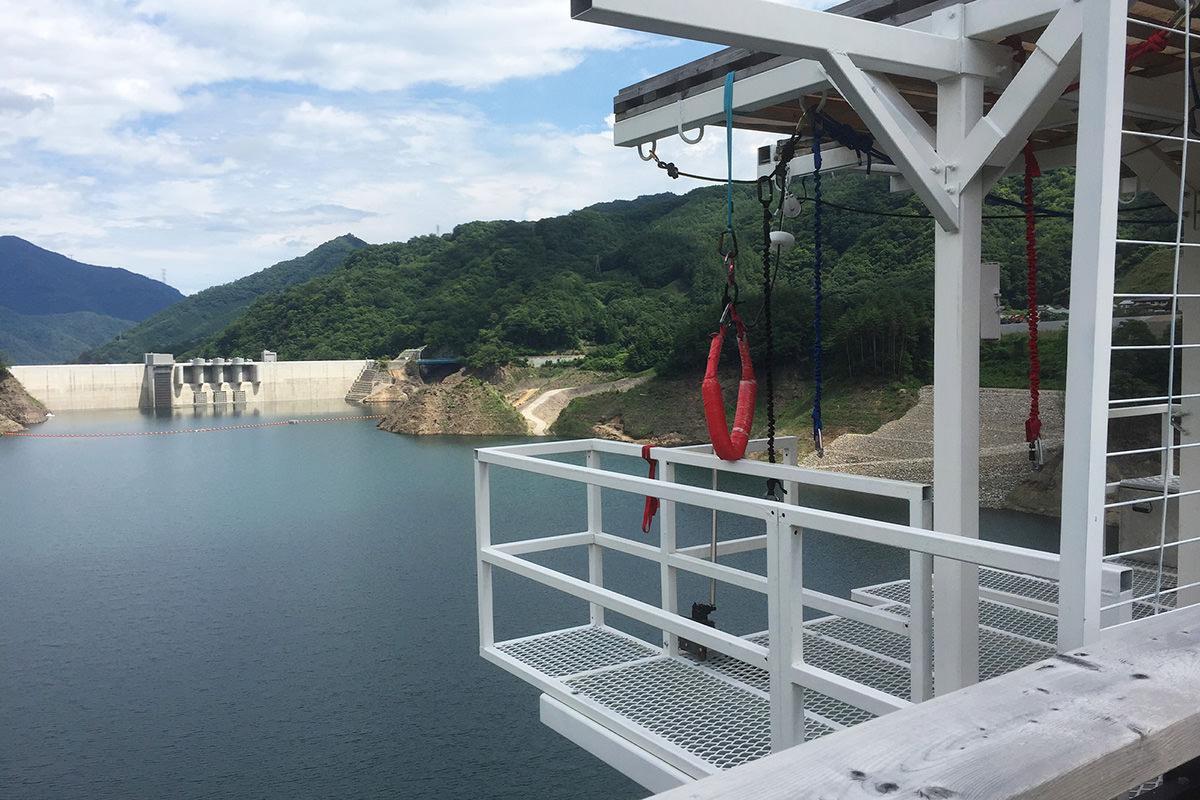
pixel 903 449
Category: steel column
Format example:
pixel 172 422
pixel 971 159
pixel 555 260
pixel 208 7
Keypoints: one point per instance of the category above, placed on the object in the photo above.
pixel 1090 332
pixel 956 396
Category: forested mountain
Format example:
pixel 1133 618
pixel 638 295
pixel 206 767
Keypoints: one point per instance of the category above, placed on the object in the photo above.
pixel 639 283
pixel 183 325
pixel 51 306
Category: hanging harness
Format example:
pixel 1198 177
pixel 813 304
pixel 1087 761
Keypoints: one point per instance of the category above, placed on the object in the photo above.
pixel 729 446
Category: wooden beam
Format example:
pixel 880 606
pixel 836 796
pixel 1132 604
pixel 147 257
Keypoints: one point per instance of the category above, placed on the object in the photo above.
pixel 1090 723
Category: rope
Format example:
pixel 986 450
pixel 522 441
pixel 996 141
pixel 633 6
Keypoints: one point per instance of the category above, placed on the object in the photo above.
pixel 765 183
pixel 1033 425
pixel 861 143
pixel 818 297
pixel 182 430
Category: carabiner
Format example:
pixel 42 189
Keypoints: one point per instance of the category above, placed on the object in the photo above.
pixel 775 490
pixel 733 250
pixel 765 180
pixel 1037 455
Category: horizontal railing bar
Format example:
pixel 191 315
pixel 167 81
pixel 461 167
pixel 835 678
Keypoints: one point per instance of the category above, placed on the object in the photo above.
pixel 1153 296
pixel 958 548
pixel 734 646
pixel 553 448
pixel 1158 494
pixel 720 572
pixel 858 612
pixel 545 543
pixel 846 690
pixel 983 553
pixel 725 547
pixel 691 495
pixel 1158 243
pixel 649 552
pixel 900 490
pixel 1159 449
pixel 1174 399
pixel 1138 411
pixel 1174 345
pixel 1019 600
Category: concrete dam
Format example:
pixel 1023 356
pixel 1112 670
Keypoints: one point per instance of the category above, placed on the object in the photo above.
pixel 159 382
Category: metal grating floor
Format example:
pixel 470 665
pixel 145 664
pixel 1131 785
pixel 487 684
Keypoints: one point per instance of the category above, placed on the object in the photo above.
pixel 577 650
pixel 710 718
pixel 718 710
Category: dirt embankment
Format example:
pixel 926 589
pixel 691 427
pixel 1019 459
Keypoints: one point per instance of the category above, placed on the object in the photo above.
pixel 458 405
pixel 17 408
pixel 514 401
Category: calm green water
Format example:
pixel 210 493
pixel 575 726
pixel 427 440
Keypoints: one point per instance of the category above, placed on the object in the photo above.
pixel 289 612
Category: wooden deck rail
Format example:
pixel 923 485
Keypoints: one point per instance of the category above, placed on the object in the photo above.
pixel 1091 724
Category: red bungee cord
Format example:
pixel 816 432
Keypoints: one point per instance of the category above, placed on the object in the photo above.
pixel 1033 425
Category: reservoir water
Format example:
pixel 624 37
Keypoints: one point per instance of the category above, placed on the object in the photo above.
pixel 282 611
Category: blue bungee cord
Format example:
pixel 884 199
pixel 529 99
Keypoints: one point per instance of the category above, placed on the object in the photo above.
pixel 729 150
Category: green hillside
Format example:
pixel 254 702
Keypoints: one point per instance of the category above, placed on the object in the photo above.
pixel 181 326
pixel 54 338
pixel 638 284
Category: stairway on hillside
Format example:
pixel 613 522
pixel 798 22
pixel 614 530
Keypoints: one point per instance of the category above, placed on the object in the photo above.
pixel 361 387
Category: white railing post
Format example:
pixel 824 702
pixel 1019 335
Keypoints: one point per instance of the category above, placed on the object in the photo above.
pixel 595 525
pixel 483 539
pixel 785 620
pixel 920 615
pixel 668 582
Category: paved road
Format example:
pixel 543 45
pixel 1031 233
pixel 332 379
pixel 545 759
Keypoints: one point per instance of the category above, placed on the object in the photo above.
pixel 1060 324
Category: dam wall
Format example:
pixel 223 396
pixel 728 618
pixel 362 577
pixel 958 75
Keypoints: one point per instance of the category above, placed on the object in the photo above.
pixel 161 383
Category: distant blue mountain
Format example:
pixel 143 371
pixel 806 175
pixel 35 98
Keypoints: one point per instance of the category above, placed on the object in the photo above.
pixel 52 307
pixel 34 281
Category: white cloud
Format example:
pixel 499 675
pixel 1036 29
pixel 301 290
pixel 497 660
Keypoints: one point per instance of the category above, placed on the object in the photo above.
pixel 215 138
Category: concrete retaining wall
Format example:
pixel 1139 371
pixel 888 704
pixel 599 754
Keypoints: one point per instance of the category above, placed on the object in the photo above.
pixel 72 387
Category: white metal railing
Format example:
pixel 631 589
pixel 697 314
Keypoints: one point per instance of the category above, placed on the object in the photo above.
pixel 782 526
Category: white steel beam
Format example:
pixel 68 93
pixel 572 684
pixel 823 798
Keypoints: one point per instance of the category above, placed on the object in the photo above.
pixel 891 119
pixel 995 19
pixel 998 137
pixel 773 28
pixel 1090 332
pixel 956 399
pixel 708 107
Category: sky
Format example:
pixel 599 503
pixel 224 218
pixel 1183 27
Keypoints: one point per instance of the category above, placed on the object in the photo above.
pixel 203 140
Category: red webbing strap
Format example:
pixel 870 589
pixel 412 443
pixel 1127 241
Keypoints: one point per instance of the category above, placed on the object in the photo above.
pixel 729 446
pixel 651 502
pixel 1033 425
pixel 1156 42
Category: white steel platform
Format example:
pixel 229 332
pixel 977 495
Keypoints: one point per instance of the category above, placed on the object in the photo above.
pixel 718 710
